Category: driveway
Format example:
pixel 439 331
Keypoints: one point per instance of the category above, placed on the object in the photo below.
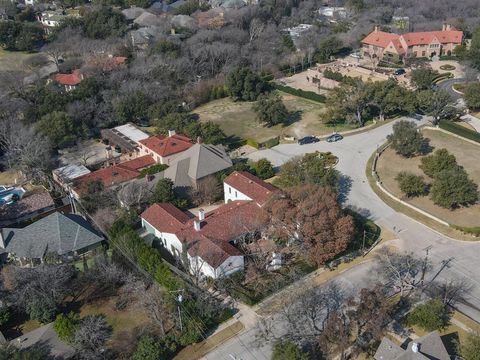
pixel 447 86
pixel 450 259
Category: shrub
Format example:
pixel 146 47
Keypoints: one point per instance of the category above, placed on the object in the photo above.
pixel 310 95
pixel 453 188
pixel 423 78
pixel 440 160
pixel 42 310
pixel 406 140
pixel 433 315
pixel 411 184
pixel 150 348
pixel 151 170
pixel 4 314
pixel 270 109
pixel 65 326
pixel 333 75
pixel 287 350
pixel 252 143
pixel 469 348
pixel 271 142
pixel 263 169
pixel 447 67
pixel 472 95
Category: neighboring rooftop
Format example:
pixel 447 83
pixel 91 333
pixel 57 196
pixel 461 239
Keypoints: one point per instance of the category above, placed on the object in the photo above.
pixel 62 234
pixel 70 172
pixel 167 145
pixel 116 174
pixel 428 347
pixel 88 153
pixel 72 79
pixel 250 185
pixel 197 162
pixel 126 136
pixel 32 202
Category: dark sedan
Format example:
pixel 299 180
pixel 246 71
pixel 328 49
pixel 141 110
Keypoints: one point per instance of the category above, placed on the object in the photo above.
pixel 308 140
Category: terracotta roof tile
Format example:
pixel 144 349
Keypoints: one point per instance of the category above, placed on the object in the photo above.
pixel 116 174
pixel 69 79
pixel 250 185
pixel 165 217
pixel 380 38
pixel 167 145
pixel 426 37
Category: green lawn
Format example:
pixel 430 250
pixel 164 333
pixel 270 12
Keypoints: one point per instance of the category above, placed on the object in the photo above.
pixel 238 119
pixel 12 60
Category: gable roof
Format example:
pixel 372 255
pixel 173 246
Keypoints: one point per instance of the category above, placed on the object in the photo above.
pixel 56 232
pixel 116 174
pixel 30 203
pixel 380 38
pixel 167 145
pixel 220 226
pixel 197 162
pixel 165 217
pixel 69 79
pixel 250 185
pixel 426 37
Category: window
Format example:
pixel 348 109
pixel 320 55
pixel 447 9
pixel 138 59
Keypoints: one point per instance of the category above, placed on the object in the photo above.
pixel 229 190
pixel 236 195
pixel 423 53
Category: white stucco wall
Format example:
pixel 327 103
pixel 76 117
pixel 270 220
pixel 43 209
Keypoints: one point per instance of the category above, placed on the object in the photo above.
pixel 169 241
pixel 229 266
pixel 232 194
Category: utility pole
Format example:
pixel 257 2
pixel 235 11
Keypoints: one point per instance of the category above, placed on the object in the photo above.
pixel 180 299
pixel 363 244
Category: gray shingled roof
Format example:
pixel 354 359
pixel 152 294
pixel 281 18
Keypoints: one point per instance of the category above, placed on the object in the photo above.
pixel 203 160
pixel 429 347
pixel 57 233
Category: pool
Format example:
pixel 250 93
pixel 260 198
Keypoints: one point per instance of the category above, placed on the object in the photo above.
pixel 10 194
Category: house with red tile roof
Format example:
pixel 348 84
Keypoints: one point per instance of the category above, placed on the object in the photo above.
pixel 208 240
pixel 69 81
pixel 164 148
pixel 241 185
pixel 114 175
pixel 384 45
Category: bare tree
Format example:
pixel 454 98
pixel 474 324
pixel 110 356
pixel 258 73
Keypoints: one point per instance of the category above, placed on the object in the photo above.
pixel 156 303
pixel 133 195
pixel 451 291
pixel 255 29
pixel 402 271
pixel 90 337
pixel 104 218
pixel 208 190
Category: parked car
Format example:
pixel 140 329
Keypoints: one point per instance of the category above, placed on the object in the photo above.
pixel 334 138
pixel 308 140
pixel 399 72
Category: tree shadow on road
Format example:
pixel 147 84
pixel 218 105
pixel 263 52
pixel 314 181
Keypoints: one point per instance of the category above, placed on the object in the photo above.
pixel 344 187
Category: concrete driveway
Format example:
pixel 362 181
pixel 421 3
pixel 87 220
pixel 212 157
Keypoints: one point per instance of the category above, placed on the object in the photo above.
pixel 447 86
pixel 450 259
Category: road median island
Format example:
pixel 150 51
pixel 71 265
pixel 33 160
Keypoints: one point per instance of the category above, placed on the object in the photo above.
pixel 429 218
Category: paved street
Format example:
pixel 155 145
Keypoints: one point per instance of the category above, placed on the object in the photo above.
pixel 447 85
pixel 450 258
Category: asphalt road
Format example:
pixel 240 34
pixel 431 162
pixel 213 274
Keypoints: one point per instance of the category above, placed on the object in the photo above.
pixel 451 259
pixel 447 85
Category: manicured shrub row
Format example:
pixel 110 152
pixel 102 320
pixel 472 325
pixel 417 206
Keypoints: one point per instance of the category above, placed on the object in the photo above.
pixel 460 130
pixel 151 170
pixel 310 95
pixel 470 230
pixel 444 76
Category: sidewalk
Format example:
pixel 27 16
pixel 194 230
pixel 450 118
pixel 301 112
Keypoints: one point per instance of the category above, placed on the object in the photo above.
pixel 472 120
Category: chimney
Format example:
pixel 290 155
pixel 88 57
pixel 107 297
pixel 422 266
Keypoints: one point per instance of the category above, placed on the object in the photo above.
pixel 415 347
pixel 201 214
pixel 197 225
pixel 172 31
pixel 375 29
pixel 171 133
pixel 446 27
pixel 2 243
pixel 199 139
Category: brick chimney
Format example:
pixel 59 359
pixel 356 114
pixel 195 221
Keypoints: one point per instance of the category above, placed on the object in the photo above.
pixel 446 27
pixel 375 29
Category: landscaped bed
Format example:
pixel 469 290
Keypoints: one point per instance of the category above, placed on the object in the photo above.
pixel 237 119
pixel 467 155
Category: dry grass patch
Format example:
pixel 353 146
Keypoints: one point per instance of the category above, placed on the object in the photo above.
pixel 467 154
pixel 8 177
pixel 196 351
pixel 238 119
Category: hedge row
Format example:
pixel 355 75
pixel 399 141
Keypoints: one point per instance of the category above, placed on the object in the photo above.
pixel 441 77
pixel 310 95
pixel 470 230
pixel 151 170
pixel 460 130
pixel 147 258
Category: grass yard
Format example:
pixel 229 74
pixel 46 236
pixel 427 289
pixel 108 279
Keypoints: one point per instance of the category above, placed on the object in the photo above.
pixel 8 177
pixel 12 60
pixel 467 154
pixel 237 119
